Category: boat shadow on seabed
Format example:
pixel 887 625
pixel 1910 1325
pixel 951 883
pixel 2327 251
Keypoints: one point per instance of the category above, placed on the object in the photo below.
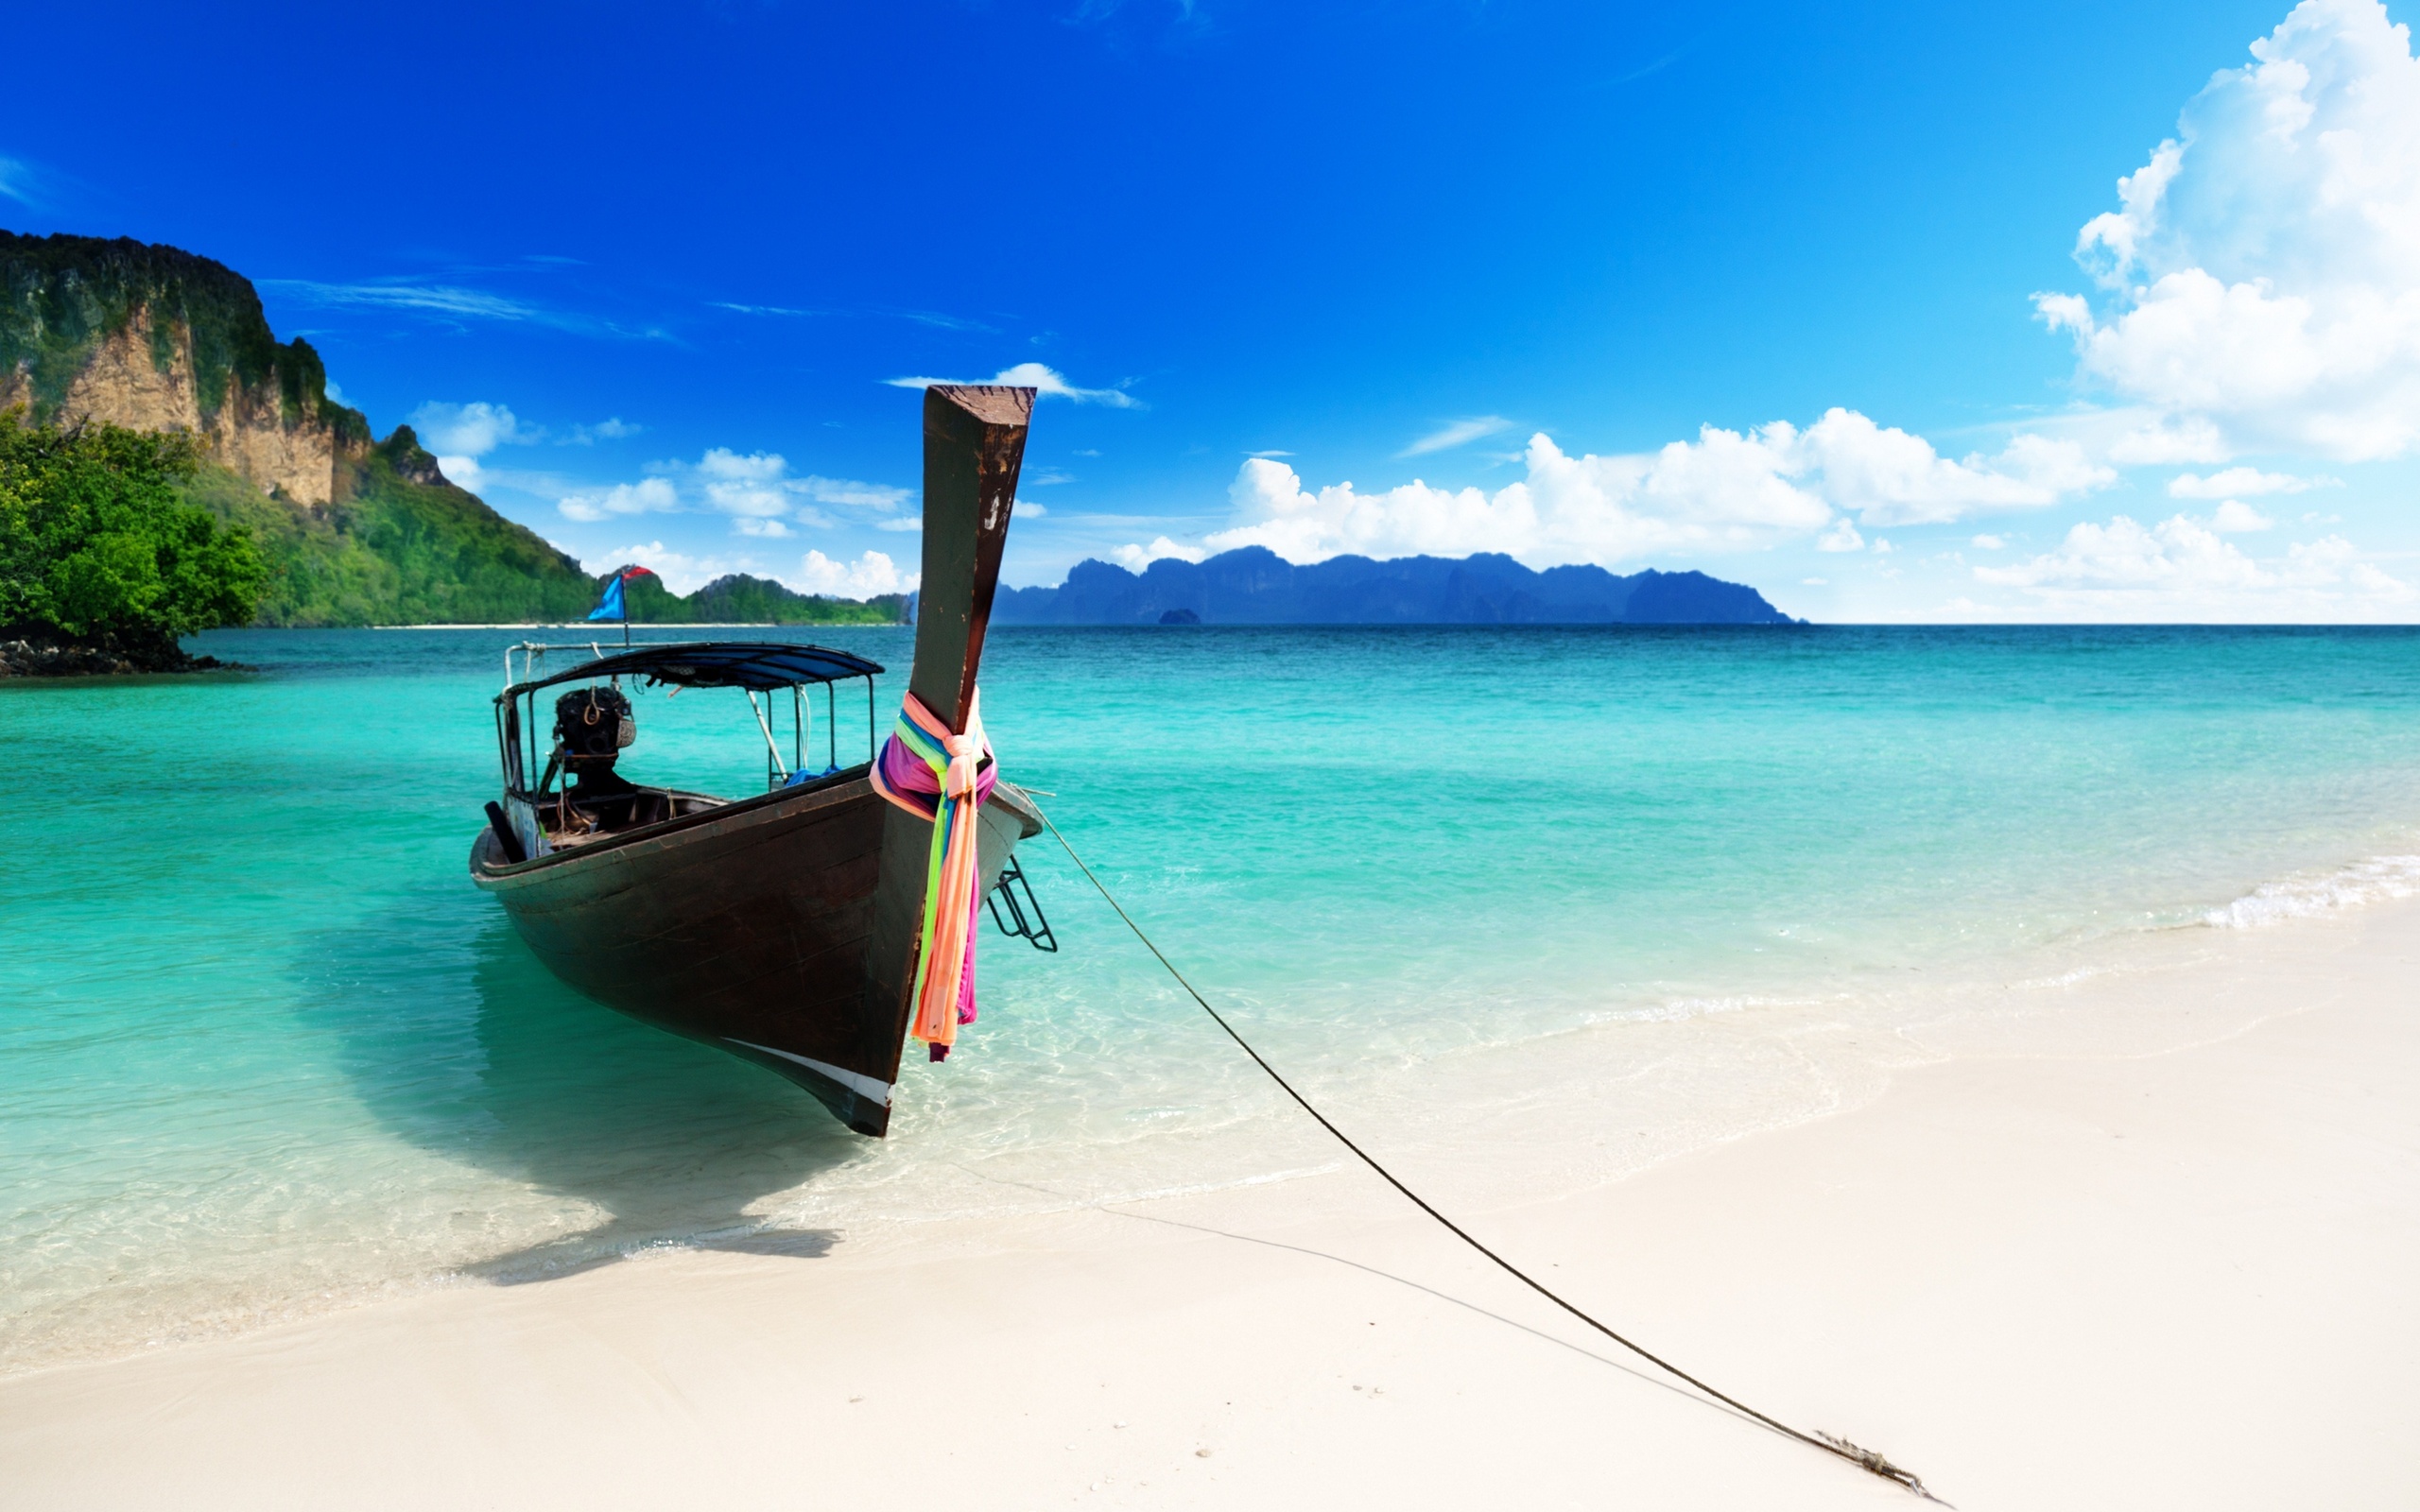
pixel 520 1076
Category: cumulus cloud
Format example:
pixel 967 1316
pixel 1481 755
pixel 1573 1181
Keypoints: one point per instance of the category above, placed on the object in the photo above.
pixel 1048 381
pixel 2235 517
pixel 1989 544
pixel 871 574
pixel 1725 490
pixel 644 496
pixel 2181 568
pixel 467 430
pixel 747 486
pixel 2261 274
pixel 461 434
pixel 1889 477
pixel 2242 482
pixel 754 489
pixel 682 573
pixel 1134 558
pixel 1458 433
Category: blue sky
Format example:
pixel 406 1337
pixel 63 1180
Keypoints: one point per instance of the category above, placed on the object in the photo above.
pixel 1792 294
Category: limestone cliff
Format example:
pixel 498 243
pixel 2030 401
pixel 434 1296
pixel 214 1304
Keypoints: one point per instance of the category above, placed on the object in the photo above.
pixel 154 338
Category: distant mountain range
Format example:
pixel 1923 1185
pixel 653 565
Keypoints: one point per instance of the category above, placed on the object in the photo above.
pixel 1255 586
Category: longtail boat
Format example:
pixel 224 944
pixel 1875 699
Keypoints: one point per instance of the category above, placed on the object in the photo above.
pixel 783 927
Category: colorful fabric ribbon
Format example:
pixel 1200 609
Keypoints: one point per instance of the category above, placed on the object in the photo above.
pixel 930 772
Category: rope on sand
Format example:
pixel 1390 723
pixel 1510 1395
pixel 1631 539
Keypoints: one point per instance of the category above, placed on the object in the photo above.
pixel 1865 1459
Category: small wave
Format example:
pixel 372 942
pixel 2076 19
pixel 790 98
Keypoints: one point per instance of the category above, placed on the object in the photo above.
pixel 2380 878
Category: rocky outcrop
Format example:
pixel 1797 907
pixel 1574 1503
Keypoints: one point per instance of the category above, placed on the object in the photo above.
pixel 157 339
pixel 36 654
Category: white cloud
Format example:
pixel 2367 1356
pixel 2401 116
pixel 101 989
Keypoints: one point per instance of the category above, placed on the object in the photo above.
pixel 750 484
pixel 2181 569
pixel 467 430
pixel 851 492
pixel 1842 536
pixel 2262 271
pixel 1049 383
pixel 682 573
pixel 1457 433
pixel 435 297
pixel 1815 582
pixel 754 489
pixel 612 428
pixel 455 432
pixel 656 494
pixel 871 574
pixel 1134 558
pixel 1989 544
pixel 17 183
pixel 2241 482
pixel 1889 477
pixel 2235 518
pixel 1726 491
pixel 462 472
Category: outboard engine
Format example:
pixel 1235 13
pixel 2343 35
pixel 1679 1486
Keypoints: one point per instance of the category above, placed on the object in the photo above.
pixel 592 726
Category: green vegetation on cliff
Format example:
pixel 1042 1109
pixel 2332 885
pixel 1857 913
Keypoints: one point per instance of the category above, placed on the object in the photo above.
pixel 61 297
pixel 398 547
pixel 381 539
pixel 97 546
pixel 739 599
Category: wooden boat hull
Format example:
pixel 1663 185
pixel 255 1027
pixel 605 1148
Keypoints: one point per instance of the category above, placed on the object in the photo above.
pixel 745 927
pixel 785 928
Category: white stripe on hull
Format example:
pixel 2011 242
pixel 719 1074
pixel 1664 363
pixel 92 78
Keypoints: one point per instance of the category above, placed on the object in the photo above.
pixel 864 1085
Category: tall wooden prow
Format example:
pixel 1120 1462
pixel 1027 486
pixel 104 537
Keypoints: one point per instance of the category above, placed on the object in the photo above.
pixel 973 448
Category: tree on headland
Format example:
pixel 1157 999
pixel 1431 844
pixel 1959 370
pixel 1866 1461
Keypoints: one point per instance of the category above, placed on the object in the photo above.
pixel 99 550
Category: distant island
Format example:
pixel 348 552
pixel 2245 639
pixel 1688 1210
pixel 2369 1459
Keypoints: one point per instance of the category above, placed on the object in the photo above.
pixel 278 494
pixel 1255 586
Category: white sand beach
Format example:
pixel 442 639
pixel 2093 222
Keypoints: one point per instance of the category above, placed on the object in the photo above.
pixel 2154 1248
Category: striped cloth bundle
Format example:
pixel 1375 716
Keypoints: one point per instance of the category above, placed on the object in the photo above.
pixel 944 777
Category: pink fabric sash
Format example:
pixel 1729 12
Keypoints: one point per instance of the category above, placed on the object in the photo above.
pixel 937 774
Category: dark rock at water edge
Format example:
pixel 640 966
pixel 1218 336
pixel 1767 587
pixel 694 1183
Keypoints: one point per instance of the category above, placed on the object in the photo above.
pixel 1255 586
pixel 43 654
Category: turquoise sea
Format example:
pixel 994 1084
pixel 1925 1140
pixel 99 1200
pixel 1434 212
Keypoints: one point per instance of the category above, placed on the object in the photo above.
pixel 264 1050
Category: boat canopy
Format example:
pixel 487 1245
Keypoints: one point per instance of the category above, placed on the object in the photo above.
pixel 759 667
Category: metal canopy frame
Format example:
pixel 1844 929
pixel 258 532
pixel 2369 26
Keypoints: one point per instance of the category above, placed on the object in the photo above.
pixel 751 666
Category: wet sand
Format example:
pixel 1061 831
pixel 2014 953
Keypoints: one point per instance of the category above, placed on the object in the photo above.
pixel 2152 1250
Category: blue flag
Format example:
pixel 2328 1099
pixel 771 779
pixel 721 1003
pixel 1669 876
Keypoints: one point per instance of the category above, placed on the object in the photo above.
pixel 610 607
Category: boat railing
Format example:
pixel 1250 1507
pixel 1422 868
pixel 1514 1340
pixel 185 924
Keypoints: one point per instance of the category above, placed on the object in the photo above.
pixel 518 722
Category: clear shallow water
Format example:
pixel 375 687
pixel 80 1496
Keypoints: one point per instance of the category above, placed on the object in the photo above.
pixel 263 1046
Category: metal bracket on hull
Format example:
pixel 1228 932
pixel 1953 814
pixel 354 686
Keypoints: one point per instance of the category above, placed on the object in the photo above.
pixel 1023 921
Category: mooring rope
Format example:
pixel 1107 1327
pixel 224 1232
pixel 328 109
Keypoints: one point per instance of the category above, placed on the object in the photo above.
pixel 1864 1459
